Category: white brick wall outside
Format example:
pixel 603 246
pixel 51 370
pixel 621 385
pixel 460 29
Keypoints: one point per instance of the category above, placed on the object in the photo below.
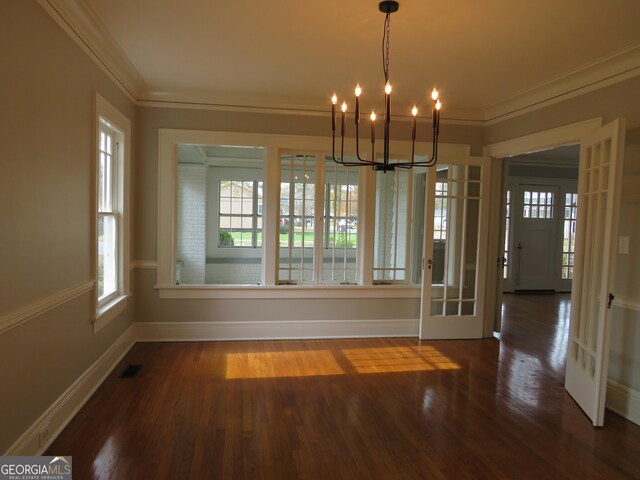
pixel 233 273
pixel 191 239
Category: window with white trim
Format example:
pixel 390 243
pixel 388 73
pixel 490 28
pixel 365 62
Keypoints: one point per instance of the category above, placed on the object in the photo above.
pixel 240 215
pixel 108 215
pixel 314 212
pixel 297 246
pixel 537 204
pixel 220 195
pixel 324 252
pixel 112 134
pixel 340 229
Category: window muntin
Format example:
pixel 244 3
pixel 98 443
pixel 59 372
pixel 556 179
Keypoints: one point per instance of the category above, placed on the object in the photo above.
pixel 440 214
pixel 340 229
pixel 569 235
pixel 393 213
pixel 537 204
pixel 296 262
pixel 240 213
pixel 108 215
pixel 170 143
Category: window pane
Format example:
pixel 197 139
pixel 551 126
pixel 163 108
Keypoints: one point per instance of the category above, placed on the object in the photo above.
pixel 106 173
pixel 340 239
pixel 107 255
pixel 390 242
pixel 217 236
pixel 569 235
pixel 297 218
pixel 107 213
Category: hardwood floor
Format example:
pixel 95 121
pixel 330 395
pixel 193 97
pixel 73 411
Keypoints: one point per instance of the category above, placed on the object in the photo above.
pixel 351 409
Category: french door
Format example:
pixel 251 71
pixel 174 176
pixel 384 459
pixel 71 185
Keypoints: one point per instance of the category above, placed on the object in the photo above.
pixel 598 205
pixel 455 253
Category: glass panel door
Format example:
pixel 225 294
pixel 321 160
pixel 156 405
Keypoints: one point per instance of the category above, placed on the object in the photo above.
pixel 453 295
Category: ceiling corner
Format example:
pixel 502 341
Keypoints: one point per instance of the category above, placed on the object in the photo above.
pixel 80 22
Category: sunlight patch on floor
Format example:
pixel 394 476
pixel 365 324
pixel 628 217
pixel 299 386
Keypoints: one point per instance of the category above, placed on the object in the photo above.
pixel 305 363
pixel 398 359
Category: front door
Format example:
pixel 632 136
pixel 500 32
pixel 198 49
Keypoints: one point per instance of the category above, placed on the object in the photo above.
pixel 598 205
pixel 535 237
pixel 455 254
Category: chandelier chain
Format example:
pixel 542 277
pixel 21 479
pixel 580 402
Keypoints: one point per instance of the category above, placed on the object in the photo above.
pixel 385 46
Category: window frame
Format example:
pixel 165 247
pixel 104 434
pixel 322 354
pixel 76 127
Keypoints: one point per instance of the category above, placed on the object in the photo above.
pixel 254 215
pixel 108 118
pixel 274 144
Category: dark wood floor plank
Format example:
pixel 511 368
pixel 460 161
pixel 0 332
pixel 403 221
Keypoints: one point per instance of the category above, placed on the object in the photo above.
pixel 348 409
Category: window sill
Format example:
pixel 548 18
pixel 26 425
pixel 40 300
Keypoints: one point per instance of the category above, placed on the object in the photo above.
pixel 288 291
pixel 109 311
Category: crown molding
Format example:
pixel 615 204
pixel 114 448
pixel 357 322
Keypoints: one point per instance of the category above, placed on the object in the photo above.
pixel 609 70
pixel 81 23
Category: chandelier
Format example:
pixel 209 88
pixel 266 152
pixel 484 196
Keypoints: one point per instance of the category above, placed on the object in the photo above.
pixel 386 7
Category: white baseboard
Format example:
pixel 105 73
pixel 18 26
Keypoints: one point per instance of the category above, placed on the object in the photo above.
pixel 623 401
pixel 273 330
pixel 43 431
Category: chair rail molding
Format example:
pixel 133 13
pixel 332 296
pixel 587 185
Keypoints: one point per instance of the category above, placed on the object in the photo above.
pixel 21 315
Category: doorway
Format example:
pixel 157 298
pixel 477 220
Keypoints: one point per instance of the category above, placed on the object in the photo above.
pixel 539 220
pixel 600 178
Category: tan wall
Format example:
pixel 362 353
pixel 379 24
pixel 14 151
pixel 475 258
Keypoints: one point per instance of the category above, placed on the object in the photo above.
pixel 624 364
pixel 48 86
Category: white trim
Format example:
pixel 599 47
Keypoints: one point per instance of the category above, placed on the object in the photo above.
pixel 612 69
pixel 287 291
pixel 24 314
pixel 59 414
pixel 144 264
pixel 82 25
pixel 109 311
pixel 626 303
pixel 624 401
pixel 120 123
pixel 555 137
pixel 274 330
pixel 169 139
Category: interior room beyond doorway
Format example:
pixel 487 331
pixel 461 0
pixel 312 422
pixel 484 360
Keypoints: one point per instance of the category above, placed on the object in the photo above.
pixel 540 196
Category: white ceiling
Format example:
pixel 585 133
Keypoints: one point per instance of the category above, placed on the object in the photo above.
pixel 487 57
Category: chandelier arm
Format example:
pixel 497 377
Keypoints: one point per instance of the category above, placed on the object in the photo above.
pixel 358 145
pixel 333 150
pixel 413 150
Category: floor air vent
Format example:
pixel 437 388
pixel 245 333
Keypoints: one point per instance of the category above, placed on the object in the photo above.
pixel 131 371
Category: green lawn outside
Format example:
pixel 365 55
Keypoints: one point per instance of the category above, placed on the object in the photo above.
pixel 297 238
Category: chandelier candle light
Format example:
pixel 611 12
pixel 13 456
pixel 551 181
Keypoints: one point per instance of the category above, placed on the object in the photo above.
pixel 386 7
